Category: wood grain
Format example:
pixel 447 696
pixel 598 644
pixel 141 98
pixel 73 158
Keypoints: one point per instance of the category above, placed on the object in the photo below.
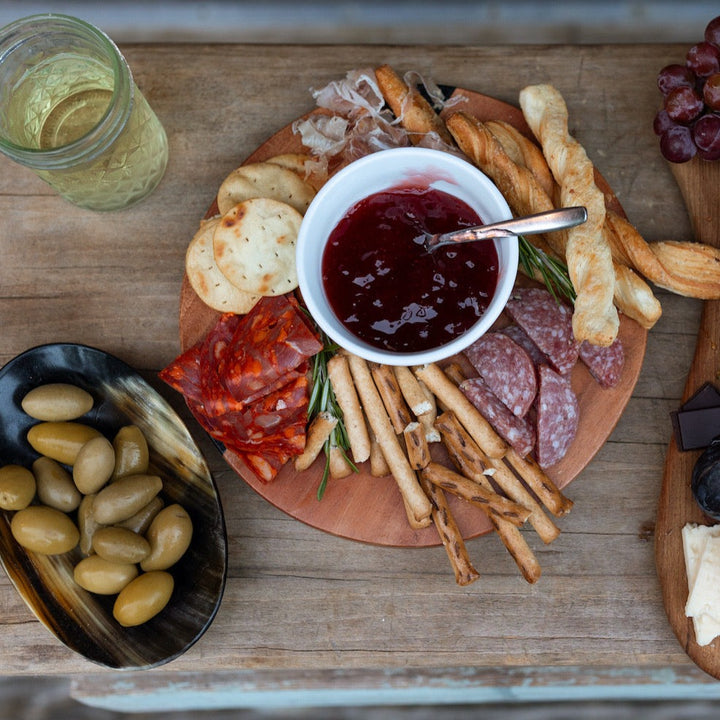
pixel 699 182
pixel 306 605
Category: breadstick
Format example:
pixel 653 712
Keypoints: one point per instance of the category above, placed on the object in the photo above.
pixel 416 445
pixel 634 297
pixel 477 426
pixel 318 432
pixel 450 535
pixel 588 255
pixel 694 267
pixel 338 463
pixel 475 465
pixel 489 501
pixel 515 490
pixel 427 419
pixel 525 152
pixel 392 398
pixel 411 390
pixel 521 190
pixel 455 373
pixel 413 111
pixel 417 505
pixel 378 464
pixel 346 396
pixel 535 478
pixel 509 534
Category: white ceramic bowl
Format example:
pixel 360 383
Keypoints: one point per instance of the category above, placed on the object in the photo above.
pixel 381 171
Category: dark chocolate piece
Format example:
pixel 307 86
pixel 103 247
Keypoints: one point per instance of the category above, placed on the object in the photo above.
pixel 698 428
pixel 706 396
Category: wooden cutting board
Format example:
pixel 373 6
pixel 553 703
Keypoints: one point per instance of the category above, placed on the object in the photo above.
pixel 699 183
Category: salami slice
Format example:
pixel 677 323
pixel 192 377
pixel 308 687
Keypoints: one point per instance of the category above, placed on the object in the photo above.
pixel 517 431
pixel 518 335
pixel 557 417
pixel 605 363
pixel 507 370
pixel 548 323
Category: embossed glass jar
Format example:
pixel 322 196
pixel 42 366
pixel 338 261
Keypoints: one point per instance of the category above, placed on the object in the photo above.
pixel 70 111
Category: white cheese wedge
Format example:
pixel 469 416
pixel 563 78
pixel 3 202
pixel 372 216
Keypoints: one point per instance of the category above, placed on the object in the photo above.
pixel 706 628
pixel 705 592
pixel 701 547
pixel 694 538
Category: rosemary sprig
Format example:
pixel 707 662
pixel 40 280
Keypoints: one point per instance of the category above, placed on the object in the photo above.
pixel 539 265
pixel 322 399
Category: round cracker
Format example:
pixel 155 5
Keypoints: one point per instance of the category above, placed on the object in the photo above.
pixel 264 180
pixel 310 170
pixel 211 286
pixel 254 246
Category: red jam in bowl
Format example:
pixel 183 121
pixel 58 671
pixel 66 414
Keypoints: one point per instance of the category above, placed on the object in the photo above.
pixel 383 286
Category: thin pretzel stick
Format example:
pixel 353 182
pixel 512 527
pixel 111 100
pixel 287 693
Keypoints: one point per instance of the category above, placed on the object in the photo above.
pixel 416 445
pixel 546 490
pixel 475 464
pixel 477 426
pixel 450 534
pixel 514 489
pixel 392 398
pixel 417 505
pixel 346 396
pixel 489 501
pixel 510 535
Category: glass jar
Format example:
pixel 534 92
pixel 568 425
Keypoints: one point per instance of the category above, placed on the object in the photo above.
pixel 70 111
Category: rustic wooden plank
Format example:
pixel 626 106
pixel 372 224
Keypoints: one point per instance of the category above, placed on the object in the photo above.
pixel 298 600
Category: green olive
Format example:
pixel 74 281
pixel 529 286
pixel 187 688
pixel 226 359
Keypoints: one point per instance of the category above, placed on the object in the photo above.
pixel 123 498
pixel 55 487
pixel 57 402
pixel 169 536
pixel 143 598
pixel 140 521
pixel 97 575
pixel 44 530
pixel 131 452
pixel 93 465
pixel 17 487
pixel 60 441
pixel 87 524
pixel 120 545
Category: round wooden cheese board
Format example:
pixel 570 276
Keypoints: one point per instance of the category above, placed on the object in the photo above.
pixel 370 509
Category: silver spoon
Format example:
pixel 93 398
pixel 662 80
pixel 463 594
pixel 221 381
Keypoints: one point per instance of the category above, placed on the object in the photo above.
pixel 528 225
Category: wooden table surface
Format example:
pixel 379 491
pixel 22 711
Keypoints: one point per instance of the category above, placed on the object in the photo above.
pixel 304 610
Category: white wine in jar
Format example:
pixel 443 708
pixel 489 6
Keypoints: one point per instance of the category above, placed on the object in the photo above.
pixel 70 110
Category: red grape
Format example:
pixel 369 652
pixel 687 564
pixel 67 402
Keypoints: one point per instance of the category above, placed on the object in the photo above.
pixel 676 144
pixel 703 59
pixel 706 136
pixel 662 122
pixel 683 105
pixel 689 122
pixel 674 76
pixel 711 91
pixel 712 31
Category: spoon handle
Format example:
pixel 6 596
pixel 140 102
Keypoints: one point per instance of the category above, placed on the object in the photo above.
pixel 529 225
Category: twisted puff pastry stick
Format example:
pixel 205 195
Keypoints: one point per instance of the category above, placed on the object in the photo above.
pixel 588 255
pixel 525 196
